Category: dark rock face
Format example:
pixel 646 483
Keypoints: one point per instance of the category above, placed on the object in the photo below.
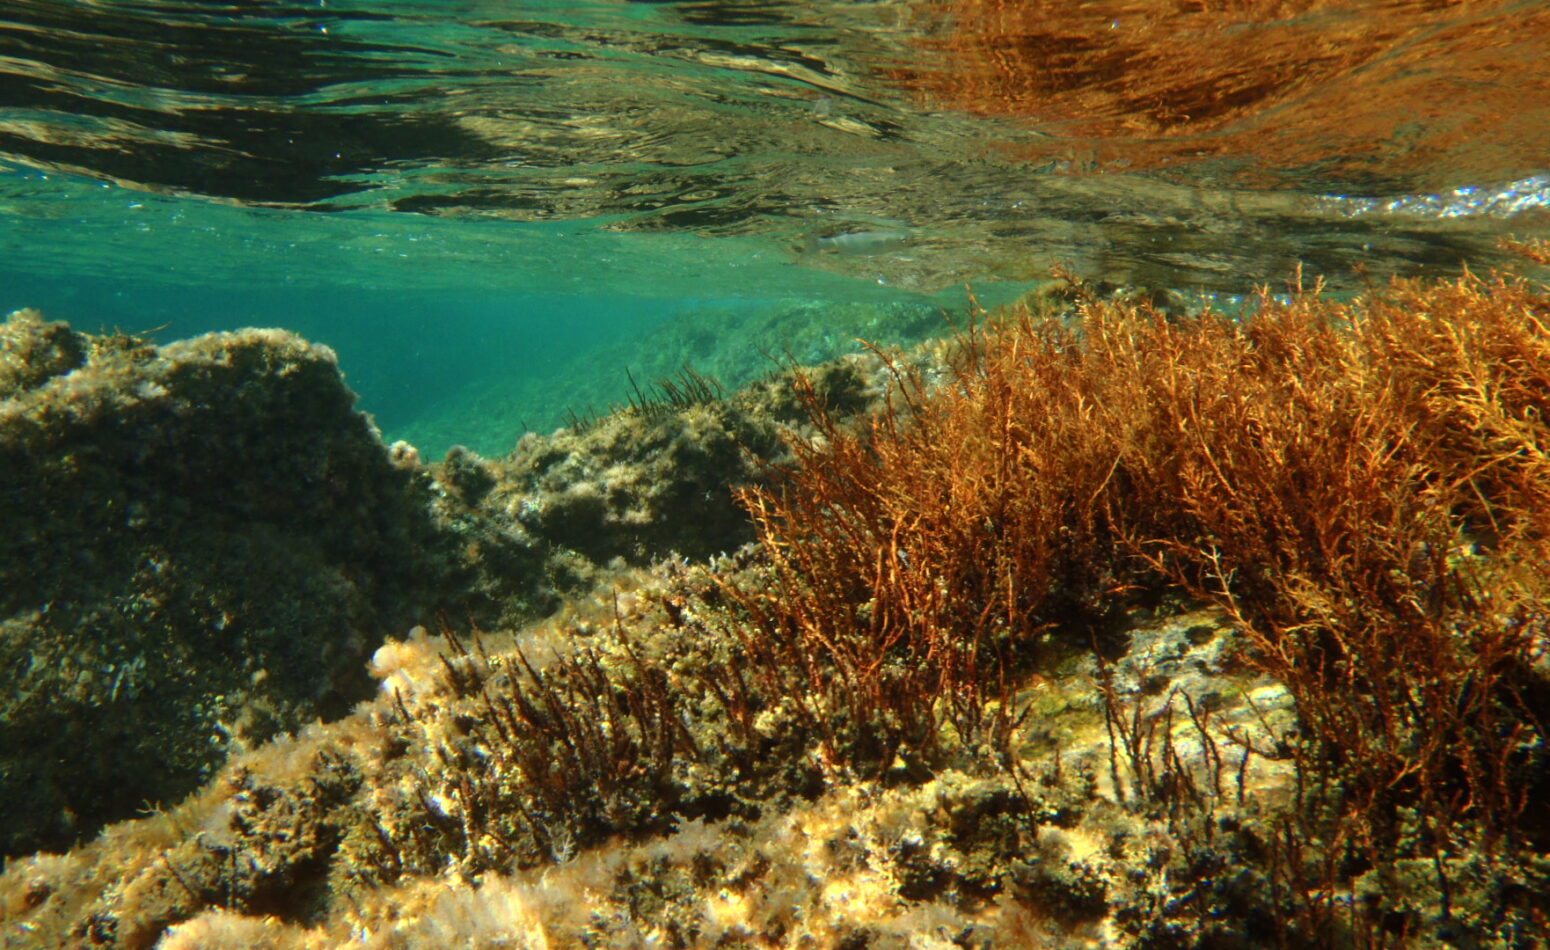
pixel 203 541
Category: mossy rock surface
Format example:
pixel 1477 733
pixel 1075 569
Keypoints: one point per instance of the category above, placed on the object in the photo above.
pixel 204 542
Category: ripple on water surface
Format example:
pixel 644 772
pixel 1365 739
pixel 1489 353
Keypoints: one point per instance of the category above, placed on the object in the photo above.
pixel 1185 145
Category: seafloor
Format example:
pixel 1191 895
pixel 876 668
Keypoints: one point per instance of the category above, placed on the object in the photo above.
pixel 270 682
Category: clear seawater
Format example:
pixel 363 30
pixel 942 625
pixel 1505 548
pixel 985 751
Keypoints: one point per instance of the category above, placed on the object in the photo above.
pixel 492 209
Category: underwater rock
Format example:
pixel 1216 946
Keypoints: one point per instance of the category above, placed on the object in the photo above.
pixel 32 350
pixel 204 541
pixel 207 539
pixel 651 480
pixel 640 486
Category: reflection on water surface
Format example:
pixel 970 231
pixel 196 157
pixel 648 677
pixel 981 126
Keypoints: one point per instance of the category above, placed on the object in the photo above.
pixel 1381 98
pixel 1188 144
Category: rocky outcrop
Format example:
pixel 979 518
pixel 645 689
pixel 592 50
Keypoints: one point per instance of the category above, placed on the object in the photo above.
pixel 687 755
pixel 203 543
pixel 658 478
pixel 205 540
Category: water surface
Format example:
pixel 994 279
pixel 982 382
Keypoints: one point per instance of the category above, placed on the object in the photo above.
pixel 473 200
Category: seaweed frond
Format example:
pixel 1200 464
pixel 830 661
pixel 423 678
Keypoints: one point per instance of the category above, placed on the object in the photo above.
pixel 1364 486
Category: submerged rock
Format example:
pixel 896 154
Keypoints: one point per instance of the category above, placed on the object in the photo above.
pixel 32 350
pixel 412 823
pixel 651 481
pixel 204 541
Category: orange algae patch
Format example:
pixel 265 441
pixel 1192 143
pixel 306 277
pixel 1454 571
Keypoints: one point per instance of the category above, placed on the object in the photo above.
pixel 1364 488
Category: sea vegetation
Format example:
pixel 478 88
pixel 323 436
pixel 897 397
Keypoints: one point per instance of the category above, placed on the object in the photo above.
pixel 1362 487
pixel 1108 626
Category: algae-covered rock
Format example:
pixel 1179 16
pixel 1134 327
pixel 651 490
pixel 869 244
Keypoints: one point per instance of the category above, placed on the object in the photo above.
pixel 650 480
pixel 640 486
pixel 32 350
pixel 204 540
pixel 446 812
pixel 657 764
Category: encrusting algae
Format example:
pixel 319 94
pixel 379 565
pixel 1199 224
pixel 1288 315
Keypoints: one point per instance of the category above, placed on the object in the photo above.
pixel 1103 628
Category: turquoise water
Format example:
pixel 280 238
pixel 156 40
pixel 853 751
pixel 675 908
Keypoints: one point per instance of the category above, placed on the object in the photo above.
pixel 491 209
